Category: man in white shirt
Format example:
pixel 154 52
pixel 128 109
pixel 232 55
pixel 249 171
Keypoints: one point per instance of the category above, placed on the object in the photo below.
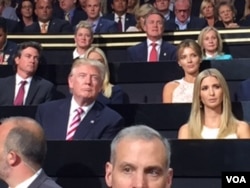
pixel 23 150
pixel 25 88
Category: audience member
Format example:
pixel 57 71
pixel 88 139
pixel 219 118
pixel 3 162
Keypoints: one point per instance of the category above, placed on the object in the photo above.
pixel 245 20
pixel 140 15
pixel 110 94
pixel 83 39
pixel 7 11
pixel 69 12
pixel 163 7
pixel 80 117
pixel 23 151
pixel 189 57
pixel 82 4
pixel 243 92
pixel 140 157
pixel 226 13
pixel 26 13
pixel 207 11
pixel 25 88
pixel 12 26
pixel 99 24
pixel 183 20
pixel 211 114
pixel 45 23
pixel 154 49
pixel 211 44
pixel 8 48
pixel 133 5
pixel 124 20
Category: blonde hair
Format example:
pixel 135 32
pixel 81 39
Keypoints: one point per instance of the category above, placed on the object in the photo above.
pixel 135 8
pixel 84 24
pixel 142 11
pixel 201 37
pixel 228 123
pixel 188 43
pixel 205 3
pixel 107 86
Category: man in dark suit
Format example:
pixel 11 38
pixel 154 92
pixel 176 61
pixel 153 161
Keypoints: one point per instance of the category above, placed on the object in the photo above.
pixel 143 52
pixel 35 90
pixel 163 7
pixel 45 23
pixel 23 150
pixel 7 47
pixel 69 12
pixel 99 24
pixel 183 20
pixel 124 20
pixel 80 116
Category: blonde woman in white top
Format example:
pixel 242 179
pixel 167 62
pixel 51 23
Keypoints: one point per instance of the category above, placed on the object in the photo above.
pixel 189 57
pixel 211 113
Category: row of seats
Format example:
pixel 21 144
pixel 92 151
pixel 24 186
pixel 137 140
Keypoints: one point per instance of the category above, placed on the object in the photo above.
pixel 143 82
pixel 196 163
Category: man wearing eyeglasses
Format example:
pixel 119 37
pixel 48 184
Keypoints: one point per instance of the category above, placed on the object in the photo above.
pixel 183 19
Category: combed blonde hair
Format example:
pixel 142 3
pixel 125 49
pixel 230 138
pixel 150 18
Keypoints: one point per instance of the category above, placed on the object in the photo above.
pixel 228 123
pixel 201 37
pixel 205 3
pixel 107 86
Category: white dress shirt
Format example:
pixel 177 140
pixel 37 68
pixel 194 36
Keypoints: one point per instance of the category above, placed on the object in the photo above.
pixel 26 86
pixel 122 20
pixel 158 47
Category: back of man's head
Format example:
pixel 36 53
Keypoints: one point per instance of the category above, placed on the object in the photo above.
pixel 26 138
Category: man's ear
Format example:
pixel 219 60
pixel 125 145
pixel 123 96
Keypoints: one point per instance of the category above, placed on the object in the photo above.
pixel 13 158
pixel 108 174
pixel 169 178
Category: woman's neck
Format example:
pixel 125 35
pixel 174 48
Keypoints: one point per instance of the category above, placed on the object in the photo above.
pixel 212 117
pixel 27 21
pixel 190 77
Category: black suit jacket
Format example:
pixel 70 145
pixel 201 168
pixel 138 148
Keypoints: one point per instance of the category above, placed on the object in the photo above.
pixel 101 122
pixel 139 52
pixel 55 26
pixel 195 23
pixel 129 19
pixel 40 91
pixel 43 181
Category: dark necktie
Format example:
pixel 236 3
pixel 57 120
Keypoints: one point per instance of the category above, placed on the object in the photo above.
pixel 153 56
pixel 20 95
pixel 119 24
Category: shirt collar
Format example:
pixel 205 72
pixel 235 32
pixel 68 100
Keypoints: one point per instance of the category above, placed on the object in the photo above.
pixel 76 54
pixel 74 106
pixel 158 42
pixel 180 23
pixel 19 79
pixel 28 181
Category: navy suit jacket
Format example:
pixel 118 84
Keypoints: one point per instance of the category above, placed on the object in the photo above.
pixel 40 91
pixel 55 26
pixel 129 19
pixel 101 122
pixel 43 181
pixel 9 51
pixel 195 23
pixel 106 26
pixel 139 52
pixel 13 26
pixel 243 92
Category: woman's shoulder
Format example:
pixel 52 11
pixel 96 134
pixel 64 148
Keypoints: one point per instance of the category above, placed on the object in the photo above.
pixel 224 57
pixel 172 84
pixel 183 132
pixel 243 129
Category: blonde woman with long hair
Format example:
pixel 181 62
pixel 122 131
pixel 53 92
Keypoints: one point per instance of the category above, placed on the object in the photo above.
pixel 211 115
pixel 111 94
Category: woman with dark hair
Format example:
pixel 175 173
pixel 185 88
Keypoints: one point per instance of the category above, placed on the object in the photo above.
pixel 25 12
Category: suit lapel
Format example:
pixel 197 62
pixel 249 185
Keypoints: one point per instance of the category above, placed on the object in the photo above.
pixel 99 26
pixel 63 115
pixel 51 26
pixel 34 85
pixel 10 90
pixel 88 123
pixel 163 52
pixel 144 52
